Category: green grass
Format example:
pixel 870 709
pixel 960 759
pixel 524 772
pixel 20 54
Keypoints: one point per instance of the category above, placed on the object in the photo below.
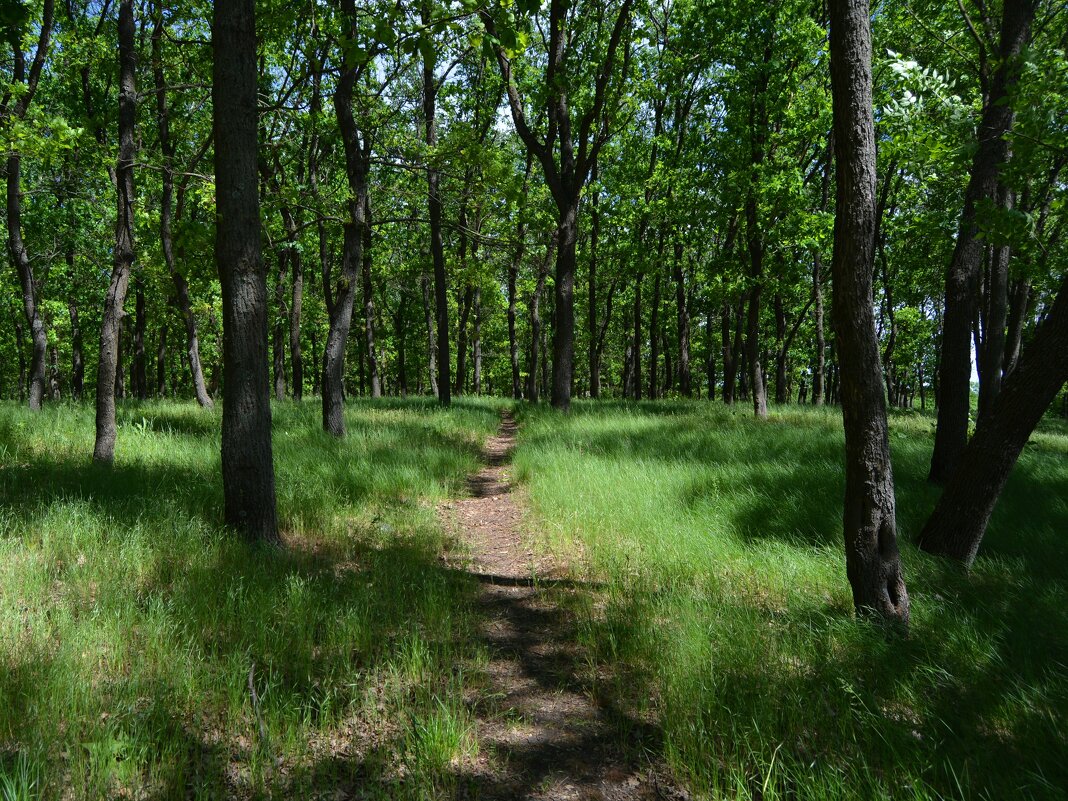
pixel 725 613
pixel 132 626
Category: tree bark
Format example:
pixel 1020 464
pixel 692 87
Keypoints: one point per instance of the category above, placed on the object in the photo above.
pixel 139 377
pixel 959 520
pixel 951 432
pixel 181 287
pixel 247 460
pixel 109 364
pixel 437 248
pixel 431 339
pixel 682 311
pixel 161 362
pixel 278 333
pixel 872 560
pixel 77 367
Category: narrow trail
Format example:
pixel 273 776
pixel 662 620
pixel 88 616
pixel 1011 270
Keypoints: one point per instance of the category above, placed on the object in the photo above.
pixel 541 733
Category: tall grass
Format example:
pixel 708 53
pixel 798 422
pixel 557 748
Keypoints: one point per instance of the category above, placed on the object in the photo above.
pixel 726 615
pixel 146 652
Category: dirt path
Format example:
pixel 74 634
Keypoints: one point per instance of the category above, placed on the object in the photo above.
pixel 541 733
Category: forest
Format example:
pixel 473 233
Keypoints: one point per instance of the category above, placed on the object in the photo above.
pixel 542 399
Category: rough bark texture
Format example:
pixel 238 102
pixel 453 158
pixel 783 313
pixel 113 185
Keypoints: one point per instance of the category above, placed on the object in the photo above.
pixel 954 378
pixel 104 449
pixel 278 332
pixel 872 560
pixel 340 300
pixel 682 312
pixel 247 460
pixel 959 520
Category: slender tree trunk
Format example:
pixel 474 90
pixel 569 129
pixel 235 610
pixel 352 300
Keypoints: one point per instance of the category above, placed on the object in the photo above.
pixel 30 288
pixel 161 363
pixel 278 333
pixel 340 301
pixel 20 345
pixel 181 287
pixel 247 460
pixel 951 433
pixel 476 345
pixel 872 560
pixel 654 340
pixel 781 350
pixel 431 340
pixel 636 356
pixel 683 314
pixel 564 307
pixel 109 365
pixel 77 371
pixel 535 324
pixel 369 307
pixel 592 329
pixel 958 523
pixel 140 361
pixel 437 249
pixel 461 338
pixel 821 345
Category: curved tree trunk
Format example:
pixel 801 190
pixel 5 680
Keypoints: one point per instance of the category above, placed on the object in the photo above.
pixel 872 561
pixel 959 520
pixel 104 449
pixel 954 380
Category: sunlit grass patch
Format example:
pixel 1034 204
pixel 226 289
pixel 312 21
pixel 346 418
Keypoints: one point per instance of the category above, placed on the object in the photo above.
pixel 727 615
pixel 144 651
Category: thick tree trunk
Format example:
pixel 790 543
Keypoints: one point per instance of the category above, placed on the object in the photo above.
pixel 872 560
pixel 958 523
pixel 181 287
pixel 993 320
pixel 951 433
pixel 247 460
pixel 109 365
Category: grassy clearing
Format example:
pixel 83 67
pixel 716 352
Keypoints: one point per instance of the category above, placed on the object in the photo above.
pixel 726 613
pixel 132 627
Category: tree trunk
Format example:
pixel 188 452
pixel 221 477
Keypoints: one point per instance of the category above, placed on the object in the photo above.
pixel 181 287
pixel 161 363
pixel 464 303
pixel 77 371
pixel 592 328
pixel 247 460
pixel 872 560
pixel 437 249
pixel 636 356
pixel 278 333
pixel 954 393
pixel 20 345
pixel 30 288
pixel 683 314
pixel 654 339
pixel 140 361
pixel 109 365
pixel 535 324
pixel 564 306
pixel 994 320
pixel 781 350
pixel 373 373
pixel 959 520
pixel 476 343
pixel 431 340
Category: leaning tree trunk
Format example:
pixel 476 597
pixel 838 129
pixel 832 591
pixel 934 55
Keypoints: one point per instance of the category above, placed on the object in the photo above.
pixel 959 520
pixel 872 560
pixel 104 449
pixel 954 380
pixel 247 460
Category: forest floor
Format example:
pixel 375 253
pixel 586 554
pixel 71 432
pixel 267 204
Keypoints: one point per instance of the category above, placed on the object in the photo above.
pixel 542 733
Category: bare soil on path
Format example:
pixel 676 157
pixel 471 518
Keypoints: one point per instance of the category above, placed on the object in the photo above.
pixel 542 731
